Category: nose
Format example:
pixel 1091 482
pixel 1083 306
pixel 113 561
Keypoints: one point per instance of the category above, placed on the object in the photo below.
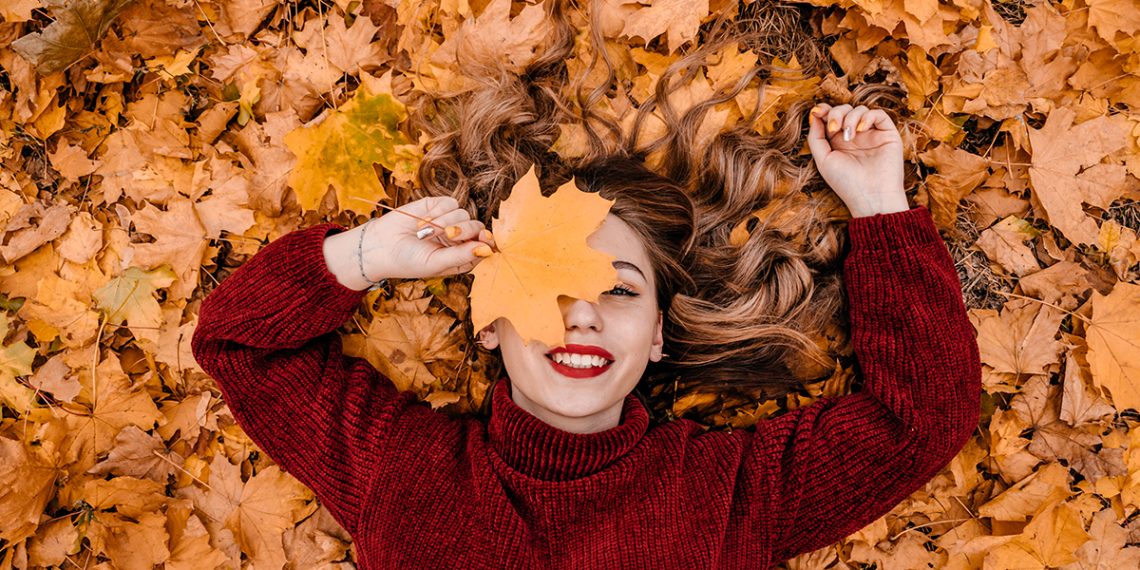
pixel 579 313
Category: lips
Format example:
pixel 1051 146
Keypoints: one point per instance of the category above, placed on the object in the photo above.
pixel 588 372
pixel 583 349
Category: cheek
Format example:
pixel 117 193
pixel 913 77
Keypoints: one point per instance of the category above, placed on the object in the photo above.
pixel 637 332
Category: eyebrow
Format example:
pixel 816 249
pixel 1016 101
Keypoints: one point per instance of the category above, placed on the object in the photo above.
pixel 619 264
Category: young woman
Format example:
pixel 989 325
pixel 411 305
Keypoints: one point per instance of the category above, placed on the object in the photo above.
pixel 567 472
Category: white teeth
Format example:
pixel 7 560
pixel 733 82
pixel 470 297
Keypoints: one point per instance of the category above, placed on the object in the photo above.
pixel 578 360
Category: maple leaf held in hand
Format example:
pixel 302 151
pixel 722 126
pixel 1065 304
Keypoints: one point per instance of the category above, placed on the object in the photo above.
pixel 542 255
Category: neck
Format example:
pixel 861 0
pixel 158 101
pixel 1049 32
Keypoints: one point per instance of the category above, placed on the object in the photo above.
pixel 593 423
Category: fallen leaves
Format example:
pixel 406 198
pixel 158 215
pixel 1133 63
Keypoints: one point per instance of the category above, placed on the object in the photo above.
pixel 148 147
pixel 542 255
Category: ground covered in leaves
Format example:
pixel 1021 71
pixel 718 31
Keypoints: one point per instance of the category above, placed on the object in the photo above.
pixel 149 147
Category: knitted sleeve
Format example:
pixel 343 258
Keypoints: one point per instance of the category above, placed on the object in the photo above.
pixel 824 471
pixel 266 336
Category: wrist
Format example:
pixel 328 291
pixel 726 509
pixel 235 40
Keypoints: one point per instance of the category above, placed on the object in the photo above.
pixel 340 252
pixel 886 207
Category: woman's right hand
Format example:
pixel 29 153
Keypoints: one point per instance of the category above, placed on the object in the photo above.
pixel 390 248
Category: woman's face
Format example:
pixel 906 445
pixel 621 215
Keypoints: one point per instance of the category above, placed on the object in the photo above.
pixel 624 325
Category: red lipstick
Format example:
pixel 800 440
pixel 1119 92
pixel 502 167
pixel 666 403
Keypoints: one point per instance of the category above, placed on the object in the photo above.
pixel 589 372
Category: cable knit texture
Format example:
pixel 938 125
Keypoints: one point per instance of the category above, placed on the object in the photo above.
pixel 417 489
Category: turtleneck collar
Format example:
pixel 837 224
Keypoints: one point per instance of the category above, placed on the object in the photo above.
pixel 535 448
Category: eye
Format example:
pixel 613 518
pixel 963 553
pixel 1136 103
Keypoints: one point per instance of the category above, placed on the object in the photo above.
pixel 622 290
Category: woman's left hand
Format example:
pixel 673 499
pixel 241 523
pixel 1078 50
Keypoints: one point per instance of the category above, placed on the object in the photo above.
pixel 866 171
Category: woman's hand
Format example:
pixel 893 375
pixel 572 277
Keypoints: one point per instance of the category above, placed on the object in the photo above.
pixel 392 249
pixel 865 168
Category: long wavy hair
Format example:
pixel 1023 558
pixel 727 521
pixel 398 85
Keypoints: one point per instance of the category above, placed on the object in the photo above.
pixel 744 318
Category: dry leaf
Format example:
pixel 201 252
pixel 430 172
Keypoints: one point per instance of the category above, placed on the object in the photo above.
pixel 1114 344
pixel 78 25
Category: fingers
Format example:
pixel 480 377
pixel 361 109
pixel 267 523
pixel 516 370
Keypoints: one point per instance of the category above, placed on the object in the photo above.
pixel 878 119
pixel 463 231
pixel 828 124
pixel 448 219
pixel 851 122
pixel 430 207
pixel 458 258
pixel 817 139
pixel 834 118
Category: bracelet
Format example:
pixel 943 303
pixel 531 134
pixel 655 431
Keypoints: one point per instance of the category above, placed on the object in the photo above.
pixel 360 258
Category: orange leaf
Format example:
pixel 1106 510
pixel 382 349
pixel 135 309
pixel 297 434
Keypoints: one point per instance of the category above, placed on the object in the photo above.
pixel 542 254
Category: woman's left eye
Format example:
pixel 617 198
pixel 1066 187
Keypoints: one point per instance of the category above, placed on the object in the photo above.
pixel 620 289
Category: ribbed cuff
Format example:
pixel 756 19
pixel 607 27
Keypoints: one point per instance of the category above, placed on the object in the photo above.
pixel 896 230
pixel 305 268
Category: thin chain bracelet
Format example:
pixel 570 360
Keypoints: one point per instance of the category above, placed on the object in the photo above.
pixel 360 258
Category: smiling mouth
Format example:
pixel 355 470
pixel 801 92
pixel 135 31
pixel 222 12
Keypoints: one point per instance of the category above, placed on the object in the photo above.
pixel 578 361
pixel 587 366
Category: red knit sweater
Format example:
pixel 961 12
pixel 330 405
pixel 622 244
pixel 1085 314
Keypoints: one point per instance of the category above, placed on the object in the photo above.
pixel 417 489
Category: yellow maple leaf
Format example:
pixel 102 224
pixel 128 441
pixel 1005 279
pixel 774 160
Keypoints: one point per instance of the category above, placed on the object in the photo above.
pixel 542 255
pixel 340 149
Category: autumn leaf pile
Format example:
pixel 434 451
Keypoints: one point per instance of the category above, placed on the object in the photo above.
pixel 149 147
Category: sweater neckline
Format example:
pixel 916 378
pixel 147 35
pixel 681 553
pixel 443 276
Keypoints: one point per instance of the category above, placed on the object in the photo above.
pixel 540 450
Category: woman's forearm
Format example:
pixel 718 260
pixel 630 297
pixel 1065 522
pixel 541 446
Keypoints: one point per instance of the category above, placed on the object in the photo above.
pixel 343 261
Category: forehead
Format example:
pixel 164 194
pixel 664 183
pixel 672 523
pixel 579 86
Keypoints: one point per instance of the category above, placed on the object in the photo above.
pixel 616 238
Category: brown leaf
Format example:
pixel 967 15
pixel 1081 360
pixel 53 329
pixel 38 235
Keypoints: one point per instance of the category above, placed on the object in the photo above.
pixel 32 226
pixel 677 19
pixel 140 455
pixel 78 25
pixel 27 477
pixel 1060 151
pixel 1020 339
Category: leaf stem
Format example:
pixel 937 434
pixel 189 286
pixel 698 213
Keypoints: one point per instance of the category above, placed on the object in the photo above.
pixel 391 209
pixel 1062 309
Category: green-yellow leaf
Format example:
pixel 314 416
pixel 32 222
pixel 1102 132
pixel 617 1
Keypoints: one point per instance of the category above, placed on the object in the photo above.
pixel 340 149
pixel 15 360
pixel 130 297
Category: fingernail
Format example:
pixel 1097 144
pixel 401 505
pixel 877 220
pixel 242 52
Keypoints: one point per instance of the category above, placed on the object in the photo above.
pixel 832 126
pixel 482 251
pixel 485 235
pixel 423 222
pixel 452 232
pixel 861 126
pixel 815 111
pixel 846 133
pixel 425 232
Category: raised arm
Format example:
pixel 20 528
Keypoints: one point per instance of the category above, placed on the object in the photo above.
pixel 266 337
pixel 822 472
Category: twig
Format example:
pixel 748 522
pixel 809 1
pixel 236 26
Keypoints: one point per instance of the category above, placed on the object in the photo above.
pixel 391 209
pixel 1063 310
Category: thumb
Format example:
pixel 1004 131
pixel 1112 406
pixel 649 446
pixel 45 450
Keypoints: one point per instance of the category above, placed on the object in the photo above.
pixel 817 138
pixel 456 258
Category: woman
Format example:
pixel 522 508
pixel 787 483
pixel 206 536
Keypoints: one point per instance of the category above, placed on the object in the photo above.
pixel 567 473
